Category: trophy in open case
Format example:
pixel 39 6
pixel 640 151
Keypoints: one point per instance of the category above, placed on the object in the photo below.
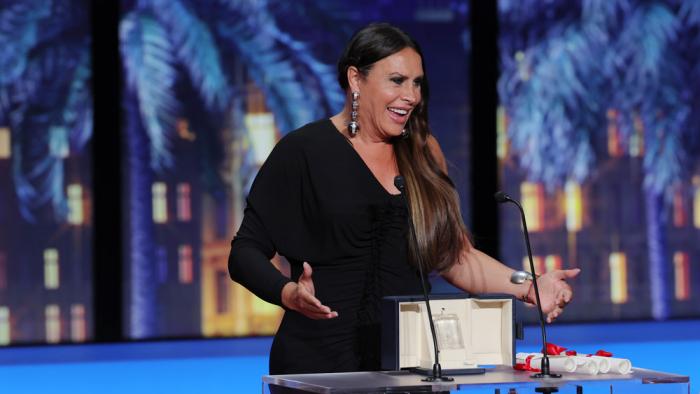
pixel 471 333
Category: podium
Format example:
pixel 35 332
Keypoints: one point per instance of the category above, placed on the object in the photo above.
pixel 497 380
pixel 472 332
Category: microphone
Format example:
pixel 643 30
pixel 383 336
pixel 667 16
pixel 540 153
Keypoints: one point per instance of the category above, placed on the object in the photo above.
pixel 544 368
pixel 437 369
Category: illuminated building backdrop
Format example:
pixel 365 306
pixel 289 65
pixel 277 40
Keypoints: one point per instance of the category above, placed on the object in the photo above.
pixel 45 172
pixel 599 136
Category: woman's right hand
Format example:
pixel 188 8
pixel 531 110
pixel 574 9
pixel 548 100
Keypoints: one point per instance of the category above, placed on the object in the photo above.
pixel 300 297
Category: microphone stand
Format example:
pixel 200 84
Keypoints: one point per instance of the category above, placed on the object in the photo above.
pixel 544 367
pixel 437 369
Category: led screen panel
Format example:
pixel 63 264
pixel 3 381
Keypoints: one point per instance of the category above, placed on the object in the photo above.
pixel 598 137
pixel 45 173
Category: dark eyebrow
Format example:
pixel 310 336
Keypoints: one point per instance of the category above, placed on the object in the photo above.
pixel 397 74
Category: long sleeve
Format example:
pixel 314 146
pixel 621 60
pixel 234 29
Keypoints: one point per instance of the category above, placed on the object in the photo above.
pixel 272 223
pixel 249 261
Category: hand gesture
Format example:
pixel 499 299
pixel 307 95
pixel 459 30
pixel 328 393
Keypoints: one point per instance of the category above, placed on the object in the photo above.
pixel 555 293
pixel 300 297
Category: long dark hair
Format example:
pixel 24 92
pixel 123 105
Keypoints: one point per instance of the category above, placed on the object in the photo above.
pixel 432 197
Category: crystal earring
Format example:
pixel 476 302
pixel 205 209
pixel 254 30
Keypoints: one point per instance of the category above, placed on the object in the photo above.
pixel 354 126
pixel 404 133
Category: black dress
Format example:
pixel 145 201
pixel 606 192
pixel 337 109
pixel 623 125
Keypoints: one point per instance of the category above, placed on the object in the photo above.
pixel 315 200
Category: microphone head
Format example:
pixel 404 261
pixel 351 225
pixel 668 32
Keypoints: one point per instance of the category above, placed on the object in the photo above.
pixel 501 197
pixel 399 183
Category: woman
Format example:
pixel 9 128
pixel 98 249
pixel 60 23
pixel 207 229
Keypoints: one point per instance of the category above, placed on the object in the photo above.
pixel 326 200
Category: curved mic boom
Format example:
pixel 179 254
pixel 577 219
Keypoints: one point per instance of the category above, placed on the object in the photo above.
pixel 437 369
pixel 545 373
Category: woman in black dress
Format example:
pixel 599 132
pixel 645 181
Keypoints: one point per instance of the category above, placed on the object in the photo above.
pixel 326 200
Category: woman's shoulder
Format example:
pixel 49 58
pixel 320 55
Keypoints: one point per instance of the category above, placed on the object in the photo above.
pixel 308 137
pixel 310 132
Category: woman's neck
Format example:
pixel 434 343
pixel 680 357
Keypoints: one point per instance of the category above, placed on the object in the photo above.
pixel 375 151
pixel 366 135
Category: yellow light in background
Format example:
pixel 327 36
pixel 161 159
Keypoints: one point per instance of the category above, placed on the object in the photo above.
pixel 5 327
pixel 618 277
pixel 75 204
pixel 261 130
pixel 681 269
pixel 185 267
pixel 52 314
pixel 262 317
pixel 159 194
pixel 614 143
pixel 182 126
pixel 524 68
pixel 184 202
pixel 696 202
pixel 538 262
pixel 552 262
pixel 680 215
pixel 78 326
pixel 574 206
pixel 261 307
pixel 51 269
pixel 501 133
pixel 5 143
pixel 533 205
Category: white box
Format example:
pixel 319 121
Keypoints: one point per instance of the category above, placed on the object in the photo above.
pixel 472 332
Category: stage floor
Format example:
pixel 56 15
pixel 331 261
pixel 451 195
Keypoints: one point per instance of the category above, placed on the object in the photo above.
pixel 236 365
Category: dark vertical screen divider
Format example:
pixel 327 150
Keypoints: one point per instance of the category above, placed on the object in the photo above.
pixel 484 166
pixel 107 255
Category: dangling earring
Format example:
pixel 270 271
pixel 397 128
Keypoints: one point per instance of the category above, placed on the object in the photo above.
pixel 404 133
pixel 354 126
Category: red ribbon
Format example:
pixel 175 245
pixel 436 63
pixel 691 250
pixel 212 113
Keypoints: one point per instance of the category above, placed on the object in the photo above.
pixel 555 350
pixel 526 366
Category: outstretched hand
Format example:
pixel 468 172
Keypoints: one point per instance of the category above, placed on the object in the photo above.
pixel 555 293
pixel 300 297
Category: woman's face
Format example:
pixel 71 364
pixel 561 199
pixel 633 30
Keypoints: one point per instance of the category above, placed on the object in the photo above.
pixel 389 93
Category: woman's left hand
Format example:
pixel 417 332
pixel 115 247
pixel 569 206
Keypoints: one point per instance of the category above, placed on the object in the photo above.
pixel 555 293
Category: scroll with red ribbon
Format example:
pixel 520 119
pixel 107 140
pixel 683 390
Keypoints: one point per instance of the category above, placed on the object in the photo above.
pixel 568 360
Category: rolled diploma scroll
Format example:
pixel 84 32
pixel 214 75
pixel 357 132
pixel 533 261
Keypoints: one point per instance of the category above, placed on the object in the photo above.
pixel 603 362
pixel 620 366
pixel 586 365
pixel 556 363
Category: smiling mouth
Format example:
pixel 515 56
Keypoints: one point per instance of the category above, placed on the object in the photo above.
pixel 398 111
pixel 398 115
